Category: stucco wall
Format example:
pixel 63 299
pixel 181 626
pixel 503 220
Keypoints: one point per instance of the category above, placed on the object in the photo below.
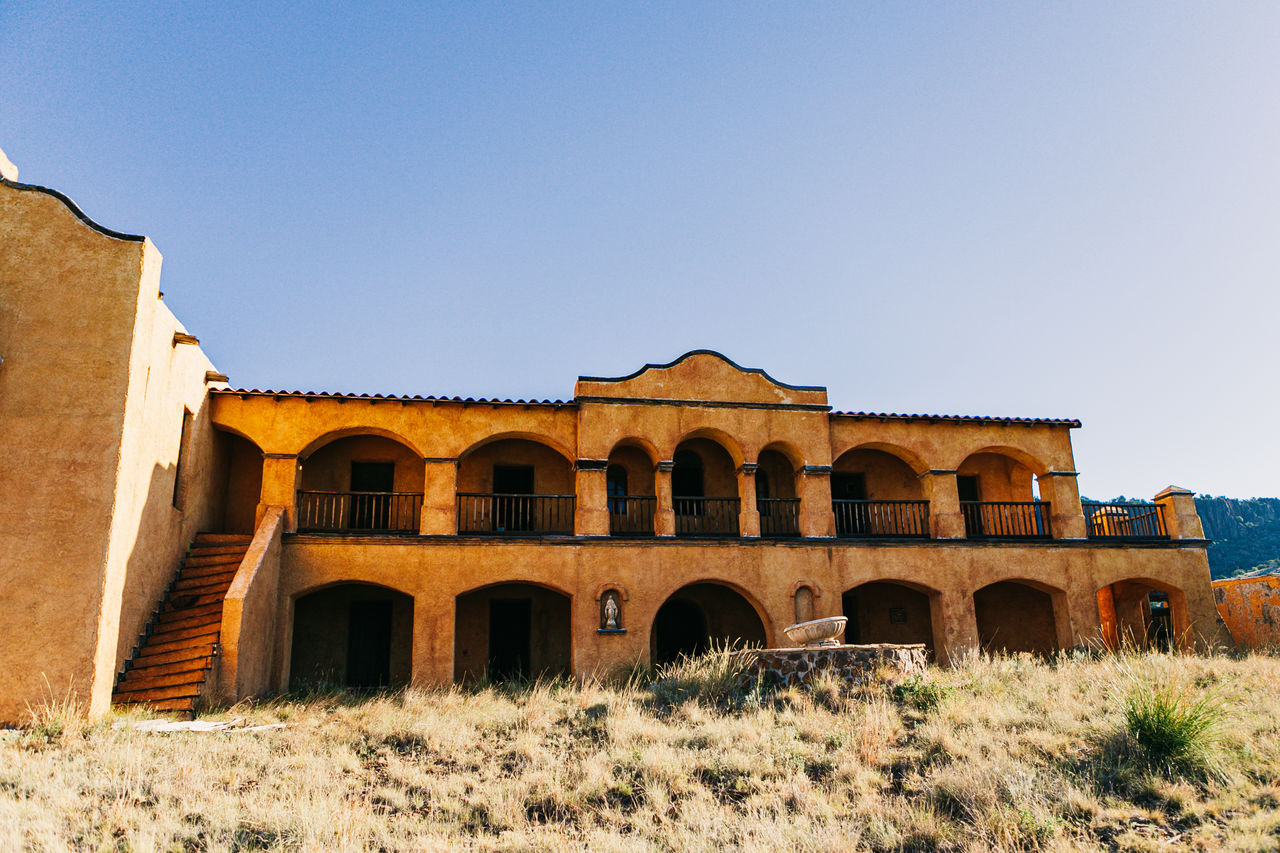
pixel 1251 609
pixel 92 394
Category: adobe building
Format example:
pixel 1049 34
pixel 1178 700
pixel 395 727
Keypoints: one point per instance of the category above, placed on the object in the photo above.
pixel 166 537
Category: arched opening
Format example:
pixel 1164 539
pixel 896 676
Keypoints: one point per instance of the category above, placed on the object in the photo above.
pixel 630 486
pixel 361 484
pixel 515 486
pixel 1014 616
pixel 702 614
pixel 511 631
pixel 704 485
pixel 243 461
pixel 999 497
pixel 1144 614
pixel 776 499
pixel 352 635
pixel 876 494
pixel 889 612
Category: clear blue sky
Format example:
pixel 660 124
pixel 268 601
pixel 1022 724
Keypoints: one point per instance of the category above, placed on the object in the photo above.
pixel 1027 209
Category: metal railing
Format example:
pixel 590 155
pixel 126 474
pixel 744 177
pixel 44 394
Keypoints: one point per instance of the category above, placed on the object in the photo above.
pixel 876 519
pixel 1006 519
pixel 514 515
pixel 1124 520
pixel 779 516
pixel 632 515
pixel 359 512
pixel 706 516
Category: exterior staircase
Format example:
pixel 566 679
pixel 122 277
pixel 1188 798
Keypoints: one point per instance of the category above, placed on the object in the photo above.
pixel 172 659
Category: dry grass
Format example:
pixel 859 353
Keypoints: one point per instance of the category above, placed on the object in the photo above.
pixel 1003 754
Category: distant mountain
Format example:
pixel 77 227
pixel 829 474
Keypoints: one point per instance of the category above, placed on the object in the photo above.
pixel 1245 534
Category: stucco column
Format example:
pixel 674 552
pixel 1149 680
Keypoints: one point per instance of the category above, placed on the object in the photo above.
pixel 433 627
pixel 279 487
pixel 945 518
pixel 439 497
pixel 748 512
pixel 664 521
pixel 955 626
pixel 1180 515
pixel 591 509
pixel 1066 515
pixel 816 515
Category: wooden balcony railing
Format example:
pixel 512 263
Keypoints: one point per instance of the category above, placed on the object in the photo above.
pixel 359 512
pixel 706 516
pixel 1006 519
pixel 1124 520
pixel 515 515
pixel 779 517
pixel 632 515
pixel 881 519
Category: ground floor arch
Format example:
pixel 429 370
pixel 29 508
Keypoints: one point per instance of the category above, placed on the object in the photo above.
pixel 352 636
pixel 1141 613
pixel 700 615
pixel 511 631
pixel 889 612
pixel 1017 616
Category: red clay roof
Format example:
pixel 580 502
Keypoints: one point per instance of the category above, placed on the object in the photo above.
pixel 1071 423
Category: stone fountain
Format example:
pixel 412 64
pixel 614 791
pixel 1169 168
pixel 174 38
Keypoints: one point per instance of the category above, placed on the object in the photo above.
pixel 818 651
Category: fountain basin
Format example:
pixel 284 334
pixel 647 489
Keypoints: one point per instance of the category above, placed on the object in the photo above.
pixel 817 633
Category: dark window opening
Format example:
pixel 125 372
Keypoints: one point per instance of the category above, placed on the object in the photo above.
pixel 369 645
pixel 616 487
pixel 849 487
pixel 967 487
pixel 372 511
pixel 509 630
pixel 686 476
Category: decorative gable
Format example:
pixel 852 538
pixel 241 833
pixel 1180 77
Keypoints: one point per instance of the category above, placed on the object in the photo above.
pixel 701 376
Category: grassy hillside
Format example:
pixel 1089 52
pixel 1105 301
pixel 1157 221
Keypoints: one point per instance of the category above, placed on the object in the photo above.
pixel 1005 754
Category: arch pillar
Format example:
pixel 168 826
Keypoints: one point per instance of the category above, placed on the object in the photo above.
pixel 945 518
pixel 439 499
pixel 748 512
pixel 433 617
pixel 955 626
pixel 817 517
pixel 279 488
pixel 665 514
pixel 1062 492
pixel 591 509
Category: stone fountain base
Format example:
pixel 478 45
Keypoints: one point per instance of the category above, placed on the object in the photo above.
pixel 850 664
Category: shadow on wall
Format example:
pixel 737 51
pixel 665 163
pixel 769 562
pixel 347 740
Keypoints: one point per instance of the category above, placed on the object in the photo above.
pixel 180 500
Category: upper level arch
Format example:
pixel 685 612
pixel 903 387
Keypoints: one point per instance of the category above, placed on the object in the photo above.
pixel 728 443
pixel 326 438
pixel 536 438
pixel 1030 461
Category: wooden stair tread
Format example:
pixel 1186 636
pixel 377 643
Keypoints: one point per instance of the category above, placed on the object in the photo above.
pixel 202 538
pixel 197 561
pixel 187 630
pixel 194 612
pixel 197 572
pixel 191 593
pixel 183 707
pixel 216 550
pixel 161 668
pixel 201 645
pixel 191 678
pixel 178 691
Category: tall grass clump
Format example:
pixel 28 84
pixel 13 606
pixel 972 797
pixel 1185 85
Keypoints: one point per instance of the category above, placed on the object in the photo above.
pixel 1175 731
pixel 713 678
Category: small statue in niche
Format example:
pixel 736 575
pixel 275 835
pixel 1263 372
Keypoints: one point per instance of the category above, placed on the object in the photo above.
pixel 610 612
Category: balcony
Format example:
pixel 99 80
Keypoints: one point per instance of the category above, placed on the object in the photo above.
pixel 779 517
pixel 706 516
pixel 359 512
pixel 1006 519
pixel 858 519
pixel 515 515
pixel 632 515
pixel 1125 521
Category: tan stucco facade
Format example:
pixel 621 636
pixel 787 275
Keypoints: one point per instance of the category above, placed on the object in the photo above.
pixel 438 539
